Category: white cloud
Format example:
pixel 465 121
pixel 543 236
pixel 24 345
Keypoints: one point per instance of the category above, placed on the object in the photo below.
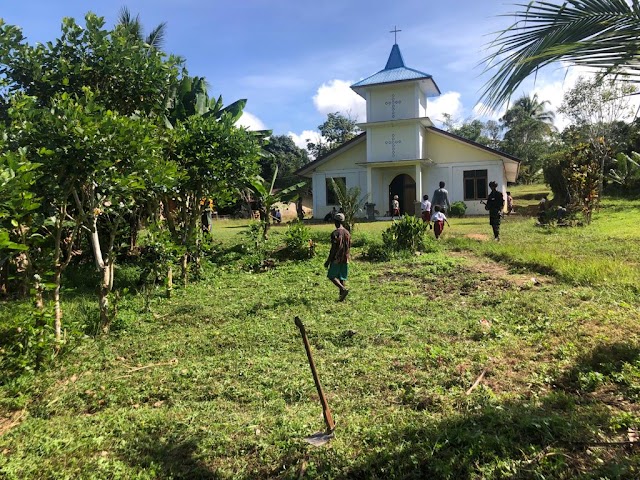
pixel 336 96
pixel 448 102
pixel 251 121
pixel 301 139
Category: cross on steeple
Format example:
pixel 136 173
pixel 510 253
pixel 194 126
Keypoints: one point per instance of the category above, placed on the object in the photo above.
pixel 395 34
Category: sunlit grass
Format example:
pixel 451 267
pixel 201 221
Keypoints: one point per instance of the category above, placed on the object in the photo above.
pixel 214 383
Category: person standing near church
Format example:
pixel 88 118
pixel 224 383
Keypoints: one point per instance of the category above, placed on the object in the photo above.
pixel 441 197
pixel 395 207
pixel 338 259
pixel 425 207
pixel 495 204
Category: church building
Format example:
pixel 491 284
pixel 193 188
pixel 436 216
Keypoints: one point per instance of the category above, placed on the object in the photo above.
pixel 401 152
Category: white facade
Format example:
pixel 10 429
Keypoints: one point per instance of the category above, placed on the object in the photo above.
pixel 401 152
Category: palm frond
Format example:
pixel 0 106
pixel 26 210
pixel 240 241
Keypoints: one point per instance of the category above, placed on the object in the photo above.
pixel 600 34
pixel 157 35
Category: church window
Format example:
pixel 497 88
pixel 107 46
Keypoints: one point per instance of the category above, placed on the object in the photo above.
pixel 475 184
pixel 332 199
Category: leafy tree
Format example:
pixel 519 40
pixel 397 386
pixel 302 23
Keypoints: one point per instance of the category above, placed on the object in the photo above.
pixel 599 34
pixel 217 160
pixel 124 74
pixel 475 130
pixel 336 130
pixel 286 157
pixel 595 107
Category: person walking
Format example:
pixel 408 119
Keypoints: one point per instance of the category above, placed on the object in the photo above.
pixel 338 259
pixel 495 204
pixel 441 197
pixel 439 219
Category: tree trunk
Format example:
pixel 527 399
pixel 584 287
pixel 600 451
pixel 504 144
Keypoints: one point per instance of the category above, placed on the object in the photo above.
pixel 185 268
pixel 169 281
pixel 40 322
pixel 103 299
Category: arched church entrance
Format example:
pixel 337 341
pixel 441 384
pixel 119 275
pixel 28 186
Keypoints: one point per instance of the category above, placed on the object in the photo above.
pixel 405 187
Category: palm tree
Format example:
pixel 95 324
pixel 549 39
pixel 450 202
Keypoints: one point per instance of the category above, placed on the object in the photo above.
pixel 528 123
pixel 531 108
pixel 155 38
pixel 600 34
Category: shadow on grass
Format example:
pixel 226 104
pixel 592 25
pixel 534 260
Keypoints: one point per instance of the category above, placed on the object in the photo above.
pixel 168 455
pixel 559 435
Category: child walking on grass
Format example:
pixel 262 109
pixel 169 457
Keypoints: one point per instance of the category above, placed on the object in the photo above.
pixel 439 219
pixel 338 259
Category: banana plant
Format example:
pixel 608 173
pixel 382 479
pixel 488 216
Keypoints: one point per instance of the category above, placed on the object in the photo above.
pixel 266 198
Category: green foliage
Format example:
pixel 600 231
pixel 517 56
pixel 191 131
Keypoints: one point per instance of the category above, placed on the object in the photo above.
pixel 126 74
pixel 285 158
pixel 562 31
pixel 298 241
pixel 529 126
pixel 350 200
pixel 379 251
pixel 407 234
pixel 335 131
pixel 627 171
pixel 267 196
pixel 458 209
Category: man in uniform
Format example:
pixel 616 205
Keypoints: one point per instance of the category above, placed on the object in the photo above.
pixel 338 260
pixel 495 204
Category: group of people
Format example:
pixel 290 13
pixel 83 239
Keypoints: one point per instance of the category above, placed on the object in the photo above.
pixel 433 212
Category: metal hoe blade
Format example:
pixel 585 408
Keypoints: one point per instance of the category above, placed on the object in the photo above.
pixel 320 438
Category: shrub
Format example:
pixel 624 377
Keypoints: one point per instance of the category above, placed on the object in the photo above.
pixel 406 234
pixel 458 209
pixel 297 240
pixel 378 252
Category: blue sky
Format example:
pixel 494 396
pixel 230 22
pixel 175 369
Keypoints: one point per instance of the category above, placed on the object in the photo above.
pixel 294 60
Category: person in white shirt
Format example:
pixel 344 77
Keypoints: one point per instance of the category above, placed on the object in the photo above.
pixel 425 207
pixel 439 219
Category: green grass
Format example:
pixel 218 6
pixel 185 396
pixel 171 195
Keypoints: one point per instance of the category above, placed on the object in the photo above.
pixel 214 383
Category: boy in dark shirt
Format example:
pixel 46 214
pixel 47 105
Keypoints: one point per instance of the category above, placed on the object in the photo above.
pixel 338 260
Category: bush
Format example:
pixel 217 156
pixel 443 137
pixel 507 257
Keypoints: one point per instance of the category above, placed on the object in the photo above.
pixel 378 252
pixel 297 240
pixel 458 209
pixel 406 234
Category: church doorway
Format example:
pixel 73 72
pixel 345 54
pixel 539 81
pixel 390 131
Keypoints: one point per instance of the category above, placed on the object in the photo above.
pixel 405 187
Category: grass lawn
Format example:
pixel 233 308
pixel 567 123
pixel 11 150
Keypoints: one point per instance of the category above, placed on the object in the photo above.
pixel 214 383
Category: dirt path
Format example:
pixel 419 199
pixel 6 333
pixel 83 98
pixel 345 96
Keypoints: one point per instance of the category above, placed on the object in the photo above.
pixel 494 269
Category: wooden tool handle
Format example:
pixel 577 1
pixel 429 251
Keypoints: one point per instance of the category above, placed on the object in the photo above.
pixel 328 418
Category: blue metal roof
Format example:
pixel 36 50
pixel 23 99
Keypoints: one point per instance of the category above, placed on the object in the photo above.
pixel 396 71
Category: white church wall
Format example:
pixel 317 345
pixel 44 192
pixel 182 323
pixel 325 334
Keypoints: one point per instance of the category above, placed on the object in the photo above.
pixel 392 103
pixel 353 177
pixel 422 107
pixel 456 192
pixel 392 142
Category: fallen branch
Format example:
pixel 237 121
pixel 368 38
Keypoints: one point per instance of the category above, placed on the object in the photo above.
pixel 477 382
